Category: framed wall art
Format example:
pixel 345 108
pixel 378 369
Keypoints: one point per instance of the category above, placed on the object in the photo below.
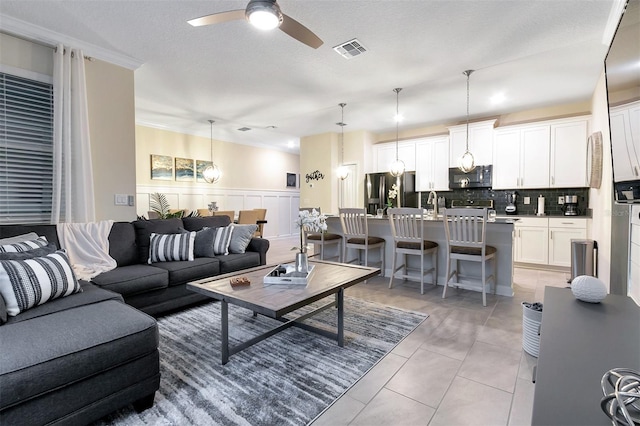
pixel 184 169
pixel 200 166
pixel 292 180
pixel 161 167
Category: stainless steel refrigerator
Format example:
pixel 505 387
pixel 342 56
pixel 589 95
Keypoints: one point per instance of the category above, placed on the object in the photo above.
pixel 377 186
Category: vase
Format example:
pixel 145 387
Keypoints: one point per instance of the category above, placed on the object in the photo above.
pixel 302 262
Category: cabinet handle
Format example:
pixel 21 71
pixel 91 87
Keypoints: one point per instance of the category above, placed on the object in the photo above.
pixel 551 235
pixel 553 180
pixel 636 169
pixel 568 223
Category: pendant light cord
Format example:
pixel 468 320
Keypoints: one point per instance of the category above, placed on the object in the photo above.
pixel 342 105
pixel 211 140
pixel 468 73
pixel 397 90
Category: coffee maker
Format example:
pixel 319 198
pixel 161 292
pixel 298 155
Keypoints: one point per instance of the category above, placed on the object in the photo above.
pixel 570 207
pixel 511 203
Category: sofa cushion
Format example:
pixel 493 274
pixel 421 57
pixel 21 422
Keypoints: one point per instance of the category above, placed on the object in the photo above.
pixel 22 255
pixel 241 237
pixel 144 229
pixel 197 223
pixel 28 283
pixel 95 339
pixel 171 247
pixel 237 262
pixel 90 294
pixel 122 243
pixel 183 272
pixel 133 279
pixel 203 244
pixel 3 311
pixel 24 245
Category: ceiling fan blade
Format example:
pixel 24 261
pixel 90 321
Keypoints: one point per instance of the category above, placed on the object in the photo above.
pixel 298 31
pixel 217 18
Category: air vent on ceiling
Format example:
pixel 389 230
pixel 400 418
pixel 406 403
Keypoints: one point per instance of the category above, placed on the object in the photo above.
pixel 244 129
pixel 350 49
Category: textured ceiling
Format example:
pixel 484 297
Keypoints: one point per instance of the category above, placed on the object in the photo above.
pixel 535 52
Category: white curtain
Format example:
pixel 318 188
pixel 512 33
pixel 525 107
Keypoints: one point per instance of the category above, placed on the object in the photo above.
pixel 72 198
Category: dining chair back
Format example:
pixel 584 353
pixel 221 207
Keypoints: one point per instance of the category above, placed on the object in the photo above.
pixel 230 213
pixel 262 217
pixel 465 231
pixel 246 217
pixel 407 229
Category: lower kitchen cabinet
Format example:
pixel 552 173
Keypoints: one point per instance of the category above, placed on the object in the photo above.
pixel 547 241
pixel 531 240
pixel 561 232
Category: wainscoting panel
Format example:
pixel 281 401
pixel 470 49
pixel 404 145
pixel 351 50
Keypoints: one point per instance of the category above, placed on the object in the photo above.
pixel 282 206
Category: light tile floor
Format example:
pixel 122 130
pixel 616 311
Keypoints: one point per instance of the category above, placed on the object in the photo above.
pixel 463 366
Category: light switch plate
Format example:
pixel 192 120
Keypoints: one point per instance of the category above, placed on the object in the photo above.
pixel 527 200
pixel 121 200
pixel 560 200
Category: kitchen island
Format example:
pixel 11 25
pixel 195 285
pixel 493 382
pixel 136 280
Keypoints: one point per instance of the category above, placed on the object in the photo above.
pixel 499 234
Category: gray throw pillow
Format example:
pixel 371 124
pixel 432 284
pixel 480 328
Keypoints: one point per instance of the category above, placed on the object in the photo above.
pixel 22 255
pixel 19 238
pixel 203 246
pixel 241 237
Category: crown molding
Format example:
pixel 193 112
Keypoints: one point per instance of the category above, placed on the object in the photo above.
pixel 617 9
pixel 35 33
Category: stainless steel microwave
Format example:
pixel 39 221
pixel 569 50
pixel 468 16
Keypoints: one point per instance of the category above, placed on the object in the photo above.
pixel 480 177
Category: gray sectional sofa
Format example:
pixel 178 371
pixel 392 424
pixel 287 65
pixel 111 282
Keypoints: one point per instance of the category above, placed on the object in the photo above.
pixel 75 359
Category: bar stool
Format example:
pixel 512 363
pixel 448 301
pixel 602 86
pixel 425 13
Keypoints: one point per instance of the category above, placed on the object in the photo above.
pixel 408 235
pixel 465 231
pixel 323 238
pixel 356 235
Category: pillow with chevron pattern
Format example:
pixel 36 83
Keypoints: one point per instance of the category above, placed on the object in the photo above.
pixel 171 247
pixel 32 282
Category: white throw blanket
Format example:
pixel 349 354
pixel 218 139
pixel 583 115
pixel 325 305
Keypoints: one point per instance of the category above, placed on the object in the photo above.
pixel 87 245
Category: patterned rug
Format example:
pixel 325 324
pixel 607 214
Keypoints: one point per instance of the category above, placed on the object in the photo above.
pixel 287 379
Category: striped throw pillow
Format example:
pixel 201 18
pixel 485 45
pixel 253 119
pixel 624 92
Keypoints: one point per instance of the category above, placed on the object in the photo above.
pixel 171 247
pixel 222 239
pixel 32 282
pixel 24 245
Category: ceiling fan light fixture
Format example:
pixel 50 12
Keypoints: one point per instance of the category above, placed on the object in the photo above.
pixel 264 14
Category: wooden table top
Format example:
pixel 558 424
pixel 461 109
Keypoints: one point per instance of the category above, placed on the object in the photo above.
pixel 276 300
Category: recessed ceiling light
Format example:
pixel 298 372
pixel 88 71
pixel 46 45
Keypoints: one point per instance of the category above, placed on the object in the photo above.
pixel 290 144
pixel 498 98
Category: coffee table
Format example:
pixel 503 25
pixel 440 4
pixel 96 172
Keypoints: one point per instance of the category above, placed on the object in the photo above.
pixel 277 300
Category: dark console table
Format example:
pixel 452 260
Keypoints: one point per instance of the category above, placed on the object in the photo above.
pixel 579 342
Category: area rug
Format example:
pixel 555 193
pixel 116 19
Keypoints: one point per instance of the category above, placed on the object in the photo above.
pixel 287 379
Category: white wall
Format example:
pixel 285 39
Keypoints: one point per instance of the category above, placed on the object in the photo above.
pixel 600 199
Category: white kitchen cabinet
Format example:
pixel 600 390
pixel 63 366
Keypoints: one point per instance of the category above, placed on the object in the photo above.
pixel 480 142
pixel 625 141
pixel 568 161
pixel 531 240
pixel 432 164
pixel 561 232
pixel 384 154
pixel 521 157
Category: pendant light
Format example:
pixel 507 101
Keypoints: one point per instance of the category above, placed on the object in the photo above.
pixel 397 167
pixel 466 163
pixel 211 173
pixel 343 171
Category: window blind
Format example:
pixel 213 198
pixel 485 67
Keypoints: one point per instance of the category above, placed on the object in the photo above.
pixel 26 150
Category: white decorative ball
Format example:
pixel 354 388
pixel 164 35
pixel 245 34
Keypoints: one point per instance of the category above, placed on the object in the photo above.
pixel 588 289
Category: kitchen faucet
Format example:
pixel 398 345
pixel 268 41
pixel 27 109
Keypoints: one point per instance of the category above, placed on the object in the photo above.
pixel 433 199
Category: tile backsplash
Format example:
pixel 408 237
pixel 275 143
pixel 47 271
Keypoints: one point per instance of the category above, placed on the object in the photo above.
pixel 499 197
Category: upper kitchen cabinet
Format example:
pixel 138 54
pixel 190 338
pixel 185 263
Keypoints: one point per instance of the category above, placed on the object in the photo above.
pixel 385 153
pixel 625 141
pixel 569 153
pixel 521 157
pixel 480 142
pixel 432 164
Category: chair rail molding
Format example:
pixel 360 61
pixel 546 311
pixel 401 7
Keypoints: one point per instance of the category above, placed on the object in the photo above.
pixel 282 205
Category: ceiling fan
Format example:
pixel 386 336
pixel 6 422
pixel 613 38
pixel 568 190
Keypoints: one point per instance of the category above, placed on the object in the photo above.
pixel 265 15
